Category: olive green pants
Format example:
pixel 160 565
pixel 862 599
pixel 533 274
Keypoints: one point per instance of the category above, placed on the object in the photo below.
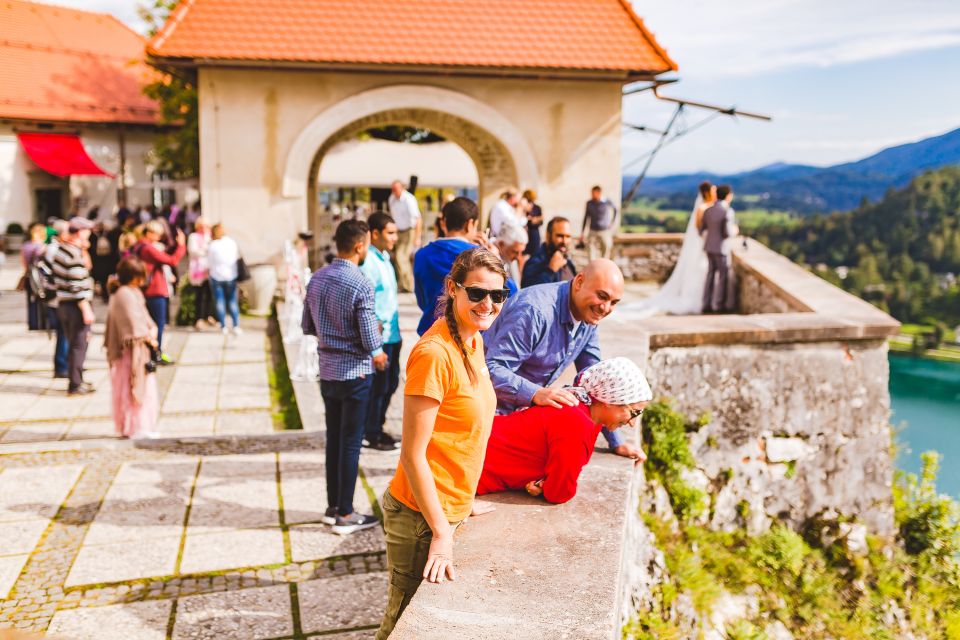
pixel 408 539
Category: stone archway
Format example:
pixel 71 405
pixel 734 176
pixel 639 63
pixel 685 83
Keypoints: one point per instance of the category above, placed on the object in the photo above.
pixel 496 169
pixel 500 151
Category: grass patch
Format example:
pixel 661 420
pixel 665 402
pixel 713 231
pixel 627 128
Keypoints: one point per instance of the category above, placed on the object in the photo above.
pixel 668 455
pixel 283 401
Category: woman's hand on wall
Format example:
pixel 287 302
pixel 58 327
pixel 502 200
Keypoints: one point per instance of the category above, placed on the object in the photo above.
pixel 440 559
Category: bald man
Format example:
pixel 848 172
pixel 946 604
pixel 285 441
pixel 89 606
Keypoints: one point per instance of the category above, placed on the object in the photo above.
pixel 544 329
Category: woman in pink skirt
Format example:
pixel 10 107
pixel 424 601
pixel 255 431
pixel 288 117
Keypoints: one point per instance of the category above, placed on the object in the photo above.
pixel 130 337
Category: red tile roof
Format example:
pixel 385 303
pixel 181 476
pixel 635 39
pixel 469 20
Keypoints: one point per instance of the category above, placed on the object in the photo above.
pixel 62 64
pixel 579 35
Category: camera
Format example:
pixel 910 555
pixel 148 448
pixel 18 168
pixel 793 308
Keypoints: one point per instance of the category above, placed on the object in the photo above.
pixel 151 365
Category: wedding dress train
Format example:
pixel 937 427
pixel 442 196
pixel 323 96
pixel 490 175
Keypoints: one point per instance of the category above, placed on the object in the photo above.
pixel 682 293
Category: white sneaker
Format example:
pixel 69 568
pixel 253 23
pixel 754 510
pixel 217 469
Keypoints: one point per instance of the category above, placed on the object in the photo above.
pixel 237 331
pixel 225 331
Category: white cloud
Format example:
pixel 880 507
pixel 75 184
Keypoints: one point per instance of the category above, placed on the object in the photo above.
pixel 717 39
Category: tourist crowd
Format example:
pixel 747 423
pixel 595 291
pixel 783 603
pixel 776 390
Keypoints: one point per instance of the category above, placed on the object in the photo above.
pixel 131 262
pixel 482 411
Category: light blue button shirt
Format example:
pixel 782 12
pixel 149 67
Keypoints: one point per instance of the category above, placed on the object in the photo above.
pixel 378 269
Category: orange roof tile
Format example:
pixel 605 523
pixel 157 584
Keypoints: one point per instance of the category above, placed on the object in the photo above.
pixel 62 64
pixel 587 35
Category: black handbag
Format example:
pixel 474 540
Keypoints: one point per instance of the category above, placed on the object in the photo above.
pixel 243 272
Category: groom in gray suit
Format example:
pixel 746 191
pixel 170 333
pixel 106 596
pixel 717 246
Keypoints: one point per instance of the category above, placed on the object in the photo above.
pixel 718 223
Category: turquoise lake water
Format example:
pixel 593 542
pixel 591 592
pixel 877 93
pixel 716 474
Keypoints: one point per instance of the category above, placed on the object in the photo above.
pixel 925 394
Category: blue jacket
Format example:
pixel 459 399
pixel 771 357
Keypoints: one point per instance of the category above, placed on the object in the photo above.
pixel 431 265
pixel 537 269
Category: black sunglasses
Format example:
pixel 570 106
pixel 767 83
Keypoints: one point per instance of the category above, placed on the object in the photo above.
pixel 634 413
pixel 476 294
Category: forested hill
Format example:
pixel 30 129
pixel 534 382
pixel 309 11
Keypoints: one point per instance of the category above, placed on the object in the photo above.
pixel 805 189
pixel 900 250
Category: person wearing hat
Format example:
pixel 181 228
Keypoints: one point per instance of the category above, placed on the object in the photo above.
pixel 543 449
pixel 74 286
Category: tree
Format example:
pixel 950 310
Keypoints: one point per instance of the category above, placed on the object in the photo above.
pixel 176 150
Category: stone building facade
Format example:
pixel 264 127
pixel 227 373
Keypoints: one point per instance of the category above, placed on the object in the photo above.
pixel 545 116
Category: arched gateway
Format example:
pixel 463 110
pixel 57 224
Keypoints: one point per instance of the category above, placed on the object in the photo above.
pixel 278 87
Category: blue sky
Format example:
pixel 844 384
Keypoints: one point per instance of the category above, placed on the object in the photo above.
pixel 842 78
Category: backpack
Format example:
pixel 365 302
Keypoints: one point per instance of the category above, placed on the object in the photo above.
pixel 41 279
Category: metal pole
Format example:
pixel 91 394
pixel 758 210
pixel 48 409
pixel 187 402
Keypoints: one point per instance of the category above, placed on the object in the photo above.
pixel 636 183
pixel 123 165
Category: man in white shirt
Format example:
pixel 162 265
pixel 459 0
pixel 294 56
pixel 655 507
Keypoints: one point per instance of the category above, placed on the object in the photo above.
pixel 405 212
pixel 505 212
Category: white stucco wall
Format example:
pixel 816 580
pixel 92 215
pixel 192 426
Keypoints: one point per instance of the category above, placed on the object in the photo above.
pixel 255 132
pixel 16 204
pixel 19 176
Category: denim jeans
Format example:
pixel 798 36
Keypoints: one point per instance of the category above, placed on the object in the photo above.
pixel 385 383
pixel 225 297
pixel 61 353
pixel 345 402
pixel 157 307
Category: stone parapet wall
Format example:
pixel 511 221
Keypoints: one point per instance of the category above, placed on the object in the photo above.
pixel 643 257
pixel 796 430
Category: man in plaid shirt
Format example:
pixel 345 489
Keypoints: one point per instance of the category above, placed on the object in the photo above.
pixel 339 311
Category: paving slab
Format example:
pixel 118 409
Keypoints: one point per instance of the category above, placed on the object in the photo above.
pixel 244 423
pixel 156 472
pixel 10 568
pixel 133 621
pixel 249 614
pixel 190 425
pixel 21 536
pixel 36 432
pixel 342 603
pixel 235 502
pixel 231 549
pixel 25 494
pixel 227 466
pixel 90 429
pixel 304 495
pixel 316 542
pixel 120 561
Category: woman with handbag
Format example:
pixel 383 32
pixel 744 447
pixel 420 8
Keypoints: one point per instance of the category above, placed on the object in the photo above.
pixel 130 338
pixel 223 256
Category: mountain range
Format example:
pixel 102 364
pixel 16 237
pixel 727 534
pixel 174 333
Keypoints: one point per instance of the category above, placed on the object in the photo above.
pixel 807 189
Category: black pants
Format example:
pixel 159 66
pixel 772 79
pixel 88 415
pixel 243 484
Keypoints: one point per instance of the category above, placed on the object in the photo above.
pixel 717 273
pixel 345 402
pixel 77 334
pixel 385 383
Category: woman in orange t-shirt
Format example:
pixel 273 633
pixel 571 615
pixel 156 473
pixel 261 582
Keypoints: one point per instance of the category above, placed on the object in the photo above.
pixel 448 410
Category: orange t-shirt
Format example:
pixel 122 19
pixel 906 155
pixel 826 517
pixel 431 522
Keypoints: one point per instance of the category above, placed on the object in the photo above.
pixel 455 452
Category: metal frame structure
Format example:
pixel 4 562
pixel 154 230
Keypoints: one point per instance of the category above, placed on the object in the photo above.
pixel 665 134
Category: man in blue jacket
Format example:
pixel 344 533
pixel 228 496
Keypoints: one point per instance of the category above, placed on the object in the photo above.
pixel 431 264
pixel 551 262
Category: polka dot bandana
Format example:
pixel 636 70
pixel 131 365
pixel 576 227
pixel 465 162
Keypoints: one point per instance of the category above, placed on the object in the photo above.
pixel 617 381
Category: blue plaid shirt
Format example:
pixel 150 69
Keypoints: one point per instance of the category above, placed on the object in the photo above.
pixel 532 342
pixel 339 311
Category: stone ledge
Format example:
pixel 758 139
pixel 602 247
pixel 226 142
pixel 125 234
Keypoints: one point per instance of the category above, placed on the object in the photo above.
pixel 823 311
pixel 533 570
pixel 648 238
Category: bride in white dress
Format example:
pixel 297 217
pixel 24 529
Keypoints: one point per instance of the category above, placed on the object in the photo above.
pixel 682 293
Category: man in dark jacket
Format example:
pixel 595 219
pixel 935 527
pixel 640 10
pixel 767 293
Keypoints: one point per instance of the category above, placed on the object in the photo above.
pixel 551 263
pixel 431 264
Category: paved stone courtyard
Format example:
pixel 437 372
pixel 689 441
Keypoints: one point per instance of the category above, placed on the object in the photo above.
pixel 211 531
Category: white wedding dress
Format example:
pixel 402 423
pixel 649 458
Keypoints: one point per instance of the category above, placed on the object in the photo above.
pixel 682 293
